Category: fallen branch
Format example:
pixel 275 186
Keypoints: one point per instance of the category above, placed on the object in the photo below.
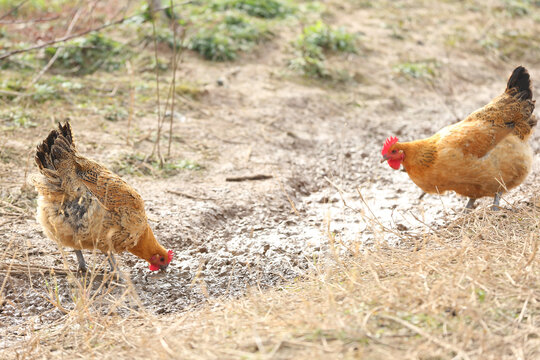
pixel 193 197
pixel 248 178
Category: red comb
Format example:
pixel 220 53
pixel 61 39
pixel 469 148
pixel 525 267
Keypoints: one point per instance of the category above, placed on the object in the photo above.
pixel 154 267
pixel 389 142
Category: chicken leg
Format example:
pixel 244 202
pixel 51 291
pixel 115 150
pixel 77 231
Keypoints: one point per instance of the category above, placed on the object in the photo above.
pixel 110 257
pixel 496 200
pixel 114 267
pixel 82 264
pixel 470 204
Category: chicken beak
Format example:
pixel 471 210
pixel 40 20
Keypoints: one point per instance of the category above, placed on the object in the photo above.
pixel 163 267
pixel 385 158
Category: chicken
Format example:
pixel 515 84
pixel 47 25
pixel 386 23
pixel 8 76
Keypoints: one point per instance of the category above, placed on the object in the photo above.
pixel 83 205
pixel 486 154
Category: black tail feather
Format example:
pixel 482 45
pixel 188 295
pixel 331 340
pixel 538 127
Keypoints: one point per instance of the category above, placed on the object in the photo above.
pixel 65 130
pixel 519 84
pixel 55 146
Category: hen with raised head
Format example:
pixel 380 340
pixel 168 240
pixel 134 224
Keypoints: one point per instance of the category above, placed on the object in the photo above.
pixel 486 154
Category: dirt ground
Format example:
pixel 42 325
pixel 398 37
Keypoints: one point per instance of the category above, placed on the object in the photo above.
pixel 255 117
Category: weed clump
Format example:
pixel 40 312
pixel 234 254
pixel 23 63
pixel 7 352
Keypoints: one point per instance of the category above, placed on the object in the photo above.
pixel 191 90
pixel 314 42
pixel 267 9
pixel 232 34
pixel 512 45
pixel 417 70
pixel 17 119
pixel 324 37
pixel 88 54
pixel 137 164
pixel 517 8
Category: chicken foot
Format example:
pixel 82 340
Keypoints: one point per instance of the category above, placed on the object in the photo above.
pixel 82 264
pixel 114 267
pixel 496 200
pixel 495 206
pixel 110 257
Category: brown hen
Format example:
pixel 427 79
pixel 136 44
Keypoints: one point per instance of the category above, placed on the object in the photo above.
pixel 485 154
pixel 83 205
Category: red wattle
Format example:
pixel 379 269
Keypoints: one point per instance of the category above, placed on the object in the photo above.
pixel 153 267
pixel 394 164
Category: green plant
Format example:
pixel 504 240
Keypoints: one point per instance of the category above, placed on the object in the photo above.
pixel 44 92
pixel 310 66
pixel 312 44
pixel 88 54
pixel 514 44
pixel 17 119
pixel 480 295
pixel 517 8
pixel 191 90
pixel 267 9
pixel 161 36
pixel 320 35
pixel 213 45
pixel 417 70
pixel 137 164
pixel 231 35
pixel 112 113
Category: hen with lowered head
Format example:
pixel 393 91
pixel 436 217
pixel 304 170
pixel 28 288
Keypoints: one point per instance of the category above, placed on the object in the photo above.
pixel 486 154
pixel 83 205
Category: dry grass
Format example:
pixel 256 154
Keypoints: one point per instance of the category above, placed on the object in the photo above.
pixel 468 291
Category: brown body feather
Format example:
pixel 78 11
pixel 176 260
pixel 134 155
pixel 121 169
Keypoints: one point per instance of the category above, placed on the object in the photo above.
pixel 83 205
pixel 482 155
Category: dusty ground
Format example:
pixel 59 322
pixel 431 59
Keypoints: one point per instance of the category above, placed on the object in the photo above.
pixel 261 119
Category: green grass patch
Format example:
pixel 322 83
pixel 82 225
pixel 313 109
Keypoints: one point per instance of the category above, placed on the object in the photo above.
pixel 418 69
pixel 113 113
pixel 512 45
pixel 322 36
pixel 267 9
pixel 161 36
pixel 517 8
pixel 48 88
pixel 220 30
pixel 228 36
pixel 17 119
pixel 88 54
pixel 191 90
pixel 138 165
pixel 314 42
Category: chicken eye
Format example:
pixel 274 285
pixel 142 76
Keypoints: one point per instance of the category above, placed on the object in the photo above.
pixel 394 151
pixel 162 259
